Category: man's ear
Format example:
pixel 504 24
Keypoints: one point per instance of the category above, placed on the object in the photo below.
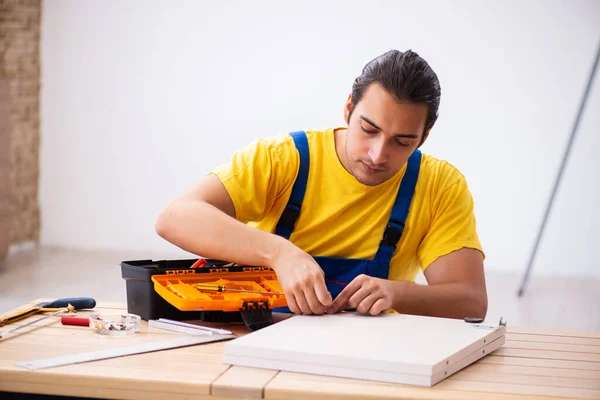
pixel 425 136
pixel 348 108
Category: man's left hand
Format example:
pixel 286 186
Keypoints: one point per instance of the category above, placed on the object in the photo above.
pixel 367 294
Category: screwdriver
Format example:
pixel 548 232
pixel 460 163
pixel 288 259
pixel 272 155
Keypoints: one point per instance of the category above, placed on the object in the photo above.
pixel 221 288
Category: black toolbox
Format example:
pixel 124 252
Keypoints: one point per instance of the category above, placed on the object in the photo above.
pixel 143 300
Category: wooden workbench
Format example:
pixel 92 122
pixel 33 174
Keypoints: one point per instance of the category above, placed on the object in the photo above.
pixel 534 364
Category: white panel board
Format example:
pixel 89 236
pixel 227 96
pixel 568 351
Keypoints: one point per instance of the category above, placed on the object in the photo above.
pixel 390 347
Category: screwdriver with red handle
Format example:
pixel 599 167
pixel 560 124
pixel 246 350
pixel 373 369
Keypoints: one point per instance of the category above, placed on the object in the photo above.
pixel 79 321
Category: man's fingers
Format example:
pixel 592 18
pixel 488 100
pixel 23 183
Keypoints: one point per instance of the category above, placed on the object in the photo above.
pixel 313 302
pixel 378 307
pixel 358 296
pixel 336 305
pixel 302 303
pixel 365 305
pixel 323 295
pixel 341 301
pixel 292 305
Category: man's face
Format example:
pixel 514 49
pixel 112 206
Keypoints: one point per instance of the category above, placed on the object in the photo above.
pixel 382 134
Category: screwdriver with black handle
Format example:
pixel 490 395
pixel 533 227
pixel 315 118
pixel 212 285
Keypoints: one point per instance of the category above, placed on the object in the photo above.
pixel 78 303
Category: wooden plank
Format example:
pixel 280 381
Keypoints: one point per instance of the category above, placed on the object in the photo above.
pixel 540 362
pixel 94 377
pixel 552 355
pixel 242 382
pixel 65 388
pixel 193 355
pixel 297 386
pixel 197 351
pixel 511 388
pixel 122 376
pixel 534 371
pixel 44 349
pixel 575 348
pixel 553 332
pixel 77 343
pixel 525 337
pixel 10 357
pixel 208 364
pixel 514 378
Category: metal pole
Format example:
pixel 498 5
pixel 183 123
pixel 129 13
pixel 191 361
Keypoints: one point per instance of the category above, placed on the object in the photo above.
pixel 560 173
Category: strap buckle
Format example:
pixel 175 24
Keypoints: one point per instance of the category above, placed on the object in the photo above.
pixel 393 233
pixel 290 214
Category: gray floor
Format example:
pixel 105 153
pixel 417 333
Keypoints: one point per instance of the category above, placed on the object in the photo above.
pixel 550 302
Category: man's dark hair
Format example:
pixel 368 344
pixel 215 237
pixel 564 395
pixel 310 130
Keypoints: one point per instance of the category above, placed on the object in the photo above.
pixel 406 76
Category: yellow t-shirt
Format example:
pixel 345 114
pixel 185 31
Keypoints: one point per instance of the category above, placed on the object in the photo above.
pixel 341 217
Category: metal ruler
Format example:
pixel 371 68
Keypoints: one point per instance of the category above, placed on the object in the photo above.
pixel 121 351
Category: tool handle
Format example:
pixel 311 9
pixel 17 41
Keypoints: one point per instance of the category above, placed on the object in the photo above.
pixel 200 263
pixel 18 315
pixel 79 303
pixel 75 321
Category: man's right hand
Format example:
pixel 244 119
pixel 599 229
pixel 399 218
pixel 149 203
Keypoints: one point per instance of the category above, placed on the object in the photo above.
pixel 209 208
pixel 302 280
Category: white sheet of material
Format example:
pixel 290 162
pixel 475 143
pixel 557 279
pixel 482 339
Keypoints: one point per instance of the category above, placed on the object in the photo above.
pixel 395 348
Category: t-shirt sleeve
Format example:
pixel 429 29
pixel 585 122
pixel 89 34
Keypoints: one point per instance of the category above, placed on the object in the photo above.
pixel 453 224
pixel 257 175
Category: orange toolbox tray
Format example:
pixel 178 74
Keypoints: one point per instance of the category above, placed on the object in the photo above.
pixel 198 289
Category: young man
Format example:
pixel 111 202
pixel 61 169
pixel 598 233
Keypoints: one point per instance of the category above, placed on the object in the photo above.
pixel 347 216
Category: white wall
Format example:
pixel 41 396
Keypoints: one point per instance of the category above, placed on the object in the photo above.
pixel 142 98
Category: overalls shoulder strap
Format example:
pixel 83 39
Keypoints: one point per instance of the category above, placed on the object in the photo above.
pixel 395 226
pixel 292 209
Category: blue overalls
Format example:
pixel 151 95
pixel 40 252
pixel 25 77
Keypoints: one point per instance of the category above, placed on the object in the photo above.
pixel 341 271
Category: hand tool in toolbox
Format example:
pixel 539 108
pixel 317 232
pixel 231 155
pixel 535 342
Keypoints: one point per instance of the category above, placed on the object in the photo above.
pixel 222 288
pixel 202 289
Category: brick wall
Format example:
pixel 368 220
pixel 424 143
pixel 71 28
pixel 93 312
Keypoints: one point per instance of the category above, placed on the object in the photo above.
pixel 20 67
pixel 5 192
